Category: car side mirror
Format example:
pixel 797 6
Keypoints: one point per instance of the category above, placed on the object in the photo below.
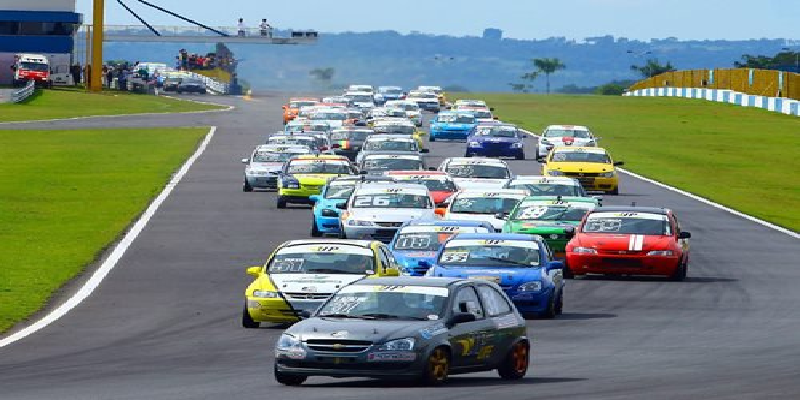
pixel 424 151
pixel 440 211
pixel 554 265
pixel 341 206
pixel 460 318
pixel 255 271
pixel 684 235
pixel 313 198
pixel 619 163
pixel 304 314
pixel 569 232
pixel 501 216
pixel 245 160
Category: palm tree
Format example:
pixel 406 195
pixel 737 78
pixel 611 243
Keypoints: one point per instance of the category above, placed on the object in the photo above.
pixel 652 68
pixel 548 66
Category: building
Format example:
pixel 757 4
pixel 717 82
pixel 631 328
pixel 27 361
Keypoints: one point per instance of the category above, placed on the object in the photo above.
pixel 37 26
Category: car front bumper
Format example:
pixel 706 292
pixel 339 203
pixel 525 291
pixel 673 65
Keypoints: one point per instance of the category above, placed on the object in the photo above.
pixel 262 181
pixel 407 364
pixel 492 150
pixel 449 134
pixel 327 225
pixel 531 302
pixel 384 234
pixel 274 310
pixel 581 264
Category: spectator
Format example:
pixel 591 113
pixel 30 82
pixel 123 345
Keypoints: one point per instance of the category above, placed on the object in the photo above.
pixel 266 29
pixel 110 76
pixel 242 27
pixel 178 63
pixel 75 71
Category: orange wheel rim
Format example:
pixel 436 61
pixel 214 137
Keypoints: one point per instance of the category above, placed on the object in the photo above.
pixel 520 357
pixel 439 364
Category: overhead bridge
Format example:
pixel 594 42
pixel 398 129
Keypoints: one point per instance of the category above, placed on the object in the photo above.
pixel 197 34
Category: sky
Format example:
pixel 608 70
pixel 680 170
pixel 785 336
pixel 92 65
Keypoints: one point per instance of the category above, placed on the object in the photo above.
pixel 522 19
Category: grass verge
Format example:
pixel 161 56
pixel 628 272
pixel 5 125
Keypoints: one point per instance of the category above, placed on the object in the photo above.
pixel 744 158
pixel 65 195
pixel 71 103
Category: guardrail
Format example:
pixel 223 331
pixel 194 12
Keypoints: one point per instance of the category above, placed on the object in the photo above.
pixel 22 94
pixel 782 105
pixel 757 82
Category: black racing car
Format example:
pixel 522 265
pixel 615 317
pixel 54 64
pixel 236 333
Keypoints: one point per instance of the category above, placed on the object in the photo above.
pixel 190 85
pixel 403 327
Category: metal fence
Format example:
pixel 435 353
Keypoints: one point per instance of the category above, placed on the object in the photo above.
pixel 22 94
pixel 746 80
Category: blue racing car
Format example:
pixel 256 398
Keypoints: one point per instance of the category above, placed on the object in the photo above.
pixel 498 140
pixel 325 215
pixel 451 125
pixel 416 243
pixel 521 264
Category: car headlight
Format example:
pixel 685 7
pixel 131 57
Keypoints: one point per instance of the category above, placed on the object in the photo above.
pixel 516 145
pixel 584 250
pixel 287 342
pixel 606 174
pixel 661 253
pixel 532 286
pixel 327 212
pixel 554 172
pixel 290 184
pixel 474 144
pixel 406 344
pixel 354 222
pixel 264 294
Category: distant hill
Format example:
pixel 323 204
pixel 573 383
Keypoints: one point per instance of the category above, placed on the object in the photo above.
pixel 474 63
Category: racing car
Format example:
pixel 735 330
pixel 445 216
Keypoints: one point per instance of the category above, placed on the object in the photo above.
pixel 452 125
pixel 266 163
pixel 499 140
pixel 376 211
pixel 325 214
pixel 538 185
pixel 416 243
pixel 438 183
pixel 304 176
pixel 478 205
pixel 564 135
pixel 591 166
pixel 477 172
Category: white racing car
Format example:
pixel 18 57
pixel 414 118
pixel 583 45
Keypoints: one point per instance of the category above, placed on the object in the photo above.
pixel 479 205
pixel 477 172
pixel 377 211
pixel 266 163
pixel 564 135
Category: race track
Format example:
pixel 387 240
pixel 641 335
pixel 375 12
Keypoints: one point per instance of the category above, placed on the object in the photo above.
pixel 165 324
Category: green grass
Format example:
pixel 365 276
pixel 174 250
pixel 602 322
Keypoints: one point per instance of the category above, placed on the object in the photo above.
pixel 744 158
pixel 70 103
pixel 65 195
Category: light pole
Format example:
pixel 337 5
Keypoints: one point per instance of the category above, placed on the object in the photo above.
pixel 96 71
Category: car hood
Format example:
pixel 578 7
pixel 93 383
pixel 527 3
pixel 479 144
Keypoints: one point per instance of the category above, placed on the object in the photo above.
pixel 449 126
pixel 540 227
pixel 480 183
pixel 312 283
pixel 315 179
pixel 568 141
pixel 391 215
pixel 332 122
pixel 580 167
pixel 501 276
pixel 390 152
pixel 411 258
pixel 624 242
pixel 377 331
pixel 490 139
pixel 497 224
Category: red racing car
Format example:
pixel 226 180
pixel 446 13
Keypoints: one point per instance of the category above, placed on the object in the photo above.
pixel 629 241
pixel 439 183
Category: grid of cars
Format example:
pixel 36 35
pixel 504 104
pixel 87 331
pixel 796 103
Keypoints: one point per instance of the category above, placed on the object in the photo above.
pixel 442 263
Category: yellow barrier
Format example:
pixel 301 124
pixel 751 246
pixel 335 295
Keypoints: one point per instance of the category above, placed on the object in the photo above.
pixel 753 81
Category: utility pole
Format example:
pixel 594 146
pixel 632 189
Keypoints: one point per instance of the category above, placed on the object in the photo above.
pixel 96 71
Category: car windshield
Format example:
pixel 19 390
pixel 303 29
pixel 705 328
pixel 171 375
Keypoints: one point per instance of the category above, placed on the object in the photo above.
pixel 392 145
pixel 398 129
pixel 410 107
pixel 435 184
pixel 391 200
pixel 298 104
pixel 581 156
pixel 350 135
pixel 329 116
pixel 264 156
pixel 305 141
pixel 318 167
pixel 361 99
pixel 32 66
pixel 392 91
pixel 478 171
pixel 627 223
pixel 192 82
pixel 482 114
pixel 322 259
pixel 548 189
pixel 392 164
pixel 566 133
pixel 495 253
pixel 387 302
pixel 497 132
pixel 541 212
pixel 456 118
pixel 341 190
pixel 484 205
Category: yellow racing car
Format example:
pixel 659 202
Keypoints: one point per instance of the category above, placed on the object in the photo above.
pixel 301 274
pixel 591 166
pixel 305 175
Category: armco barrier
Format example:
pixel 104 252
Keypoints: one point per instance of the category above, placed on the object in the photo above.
pixel 24 93
pixel 751 81
pixel 776 104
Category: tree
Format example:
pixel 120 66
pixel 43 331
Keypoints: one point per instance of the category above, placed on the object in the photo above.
pixel 548 66
pixel 520 87
pixel 324 75
pixel 652 68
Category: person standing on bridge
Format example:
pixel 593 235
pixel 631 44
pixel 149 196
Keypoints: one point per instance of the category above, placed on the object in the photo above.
pixel 242 27
pixel 266 28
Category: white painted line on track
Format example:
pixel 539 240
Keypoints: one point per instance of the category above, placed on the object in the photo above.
pixel 224 109
pixel 119 250
pixel 703 200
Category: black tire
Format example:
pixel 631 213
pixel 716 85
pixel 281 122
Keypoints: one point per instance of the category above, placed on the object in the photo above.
pixel 437 367
pixel 520 156
pixel 281 202
pixel 680 273
pixel 550 311
pixel 614 192
pixel 515 365
pixel 560 303
pixel 567 273
pixel 432 139
pixel 246 187
pixel 248 321
pixel 289 379
pixel 342 235
pixel 314 230
pixel 467 154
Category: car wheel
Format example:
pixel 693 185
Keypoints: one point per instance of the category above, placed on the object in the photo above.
pixel 520 156
pixel 550 312
pixel 289 379
pixel 314 230
pixel 437 367
pixel 246 187
pixel 342 235
pixel 432 139
pixel 467 154
pixel 567 273
pixel 515 365
pixel 281 202
pixel 680 273
pixel 560 303
pixel 248 321
pixel 614 192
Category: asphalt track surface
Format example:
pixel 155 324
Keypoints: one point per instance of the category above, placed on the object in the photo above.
pixel 165 323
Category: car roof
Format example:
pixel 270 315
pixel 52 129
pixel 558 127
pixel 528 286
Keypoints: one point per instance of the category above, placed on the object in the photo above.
pixel 509 192
pixel 448 222
pixel 415 173
pixel 548 179
pixel 566 199
pixel 475 160
pixel 352 242
pixel 399 155
pixel 410 281
pixel 400 187
pixel 321 157
pixel 634 209
pixel 497 236
pixel 568 127
pixel 596 150
pixel 388 138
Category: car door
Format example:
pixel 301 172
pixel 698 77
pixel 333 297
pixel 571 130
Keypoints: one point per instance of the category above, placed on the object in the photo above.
pixel 505 322
pixel 472 342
